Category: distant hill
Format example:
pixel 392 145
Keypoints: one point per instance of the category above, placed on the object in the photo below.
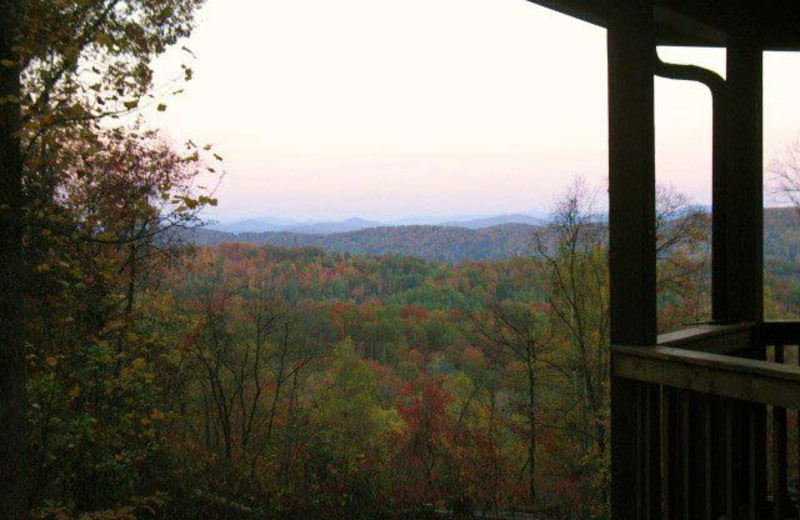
pixel 438 243
pixel 473 240
pixel 487 222
pixel 255 225
pixel 327 228
pixel 277 225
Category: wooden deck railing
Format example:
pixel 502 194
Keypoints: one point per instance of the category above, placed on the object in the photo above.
pixel 728 419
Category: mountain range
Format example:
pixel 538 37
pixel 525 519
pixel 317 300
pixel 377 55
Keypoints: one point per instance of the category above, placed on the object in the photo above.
pixel 477 239
pixel 278 225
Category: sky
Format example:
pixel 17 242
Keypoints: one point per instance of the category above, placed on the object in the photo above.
pixel 384 110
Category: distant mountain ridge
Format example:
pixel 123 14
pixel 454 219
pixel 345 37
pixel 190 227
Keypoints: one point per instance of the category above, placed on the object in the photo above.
pixel 460 242
pixel 277 225
pixel 437 243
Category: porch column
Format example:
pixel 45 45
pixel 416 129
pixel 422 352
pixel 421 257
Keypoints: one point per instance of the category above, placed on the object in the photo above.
pixel 743 197
pixel 635 447
pixel 742 235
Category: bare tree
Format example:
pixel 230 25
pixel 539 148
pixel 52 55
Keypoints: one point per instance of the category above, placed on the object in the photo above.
pixel 520 333
pixel 246 352
pixel 683 256
pixel 785 172
pixel 573 249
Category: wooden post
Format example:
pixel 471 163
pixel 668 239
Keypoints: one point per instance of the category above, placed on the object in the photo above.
pixel 635 417
pixel 743 236
pixel 744 188
pixel 720 302
pixel 13 502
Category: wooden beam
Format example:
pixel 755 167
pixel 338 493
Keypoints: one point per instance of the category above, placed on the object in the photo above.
pixel 749 380
pixel 701 23
pixel 780 333
pixel 592 11
pixel 715 339
pixel 635 421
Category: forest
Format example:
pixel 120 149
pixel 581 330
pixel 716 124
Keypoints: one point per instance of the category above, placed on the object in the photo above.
pixel 146 376
pixel 246 380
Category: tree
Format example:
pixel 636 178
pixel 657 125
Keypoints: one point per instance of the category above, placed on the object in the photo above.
pixel 64 66
pixel 520 332
pixel 786 175
pixel 682 254
pixel 575 254
pixel 12 368
pixel 577 293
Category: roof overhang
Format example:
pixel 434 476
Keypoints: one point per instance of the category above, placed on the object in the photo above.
pixel 774 24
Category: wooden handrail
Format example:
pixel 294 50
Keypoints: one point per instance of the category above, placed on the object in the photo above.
pixel 727 376
pixel 712 338
pixel 780 332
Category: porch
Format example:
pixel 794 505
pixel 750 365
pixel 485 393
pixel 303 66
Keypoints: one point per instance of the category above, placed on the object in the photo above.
pixel 715 413
pixel 703 421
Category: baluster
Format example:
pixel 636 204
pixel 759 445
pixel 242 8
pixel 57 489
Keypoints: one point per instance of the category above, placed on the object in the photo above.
pixel 686 456
pixel 753 494
pixel 779 456
pixel 731 452
pixel 674 477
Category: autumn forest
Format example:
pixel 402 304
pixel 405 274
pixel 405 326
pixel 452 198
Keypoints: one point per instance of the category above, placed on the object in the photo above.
pixel 158 375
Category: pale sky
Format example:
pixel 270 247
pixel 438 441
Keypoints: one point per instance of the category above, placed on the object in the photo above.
pixel 384 109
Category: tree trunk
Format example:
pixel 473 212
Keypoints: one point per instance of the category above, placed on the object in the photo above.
pixel 532 433
pixel 13 468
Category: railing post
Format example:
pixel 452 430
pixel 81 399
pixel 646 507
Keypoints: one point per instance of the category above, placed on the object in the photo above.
pixel 635 417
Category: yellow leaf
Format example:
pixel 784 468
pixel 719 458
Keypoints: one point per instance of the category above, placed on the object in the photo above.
pixel 7 63
pixel 51 361
pixel 75 391
pixel 139 364
pixel 162 107
pixel 130 105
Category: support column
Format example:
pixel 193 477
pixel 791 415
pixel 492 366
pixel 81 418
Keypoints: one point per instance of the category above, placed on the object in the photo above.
pixel 743 202
pixel 742 234
pixel 635 446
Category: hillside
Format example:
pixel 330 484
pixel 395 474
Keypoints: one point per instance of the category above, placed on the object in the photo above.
pixel 437 243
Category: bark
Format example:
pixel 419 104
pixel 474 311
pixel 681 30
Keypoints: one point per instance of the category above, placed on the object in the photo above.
pixel 13 466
